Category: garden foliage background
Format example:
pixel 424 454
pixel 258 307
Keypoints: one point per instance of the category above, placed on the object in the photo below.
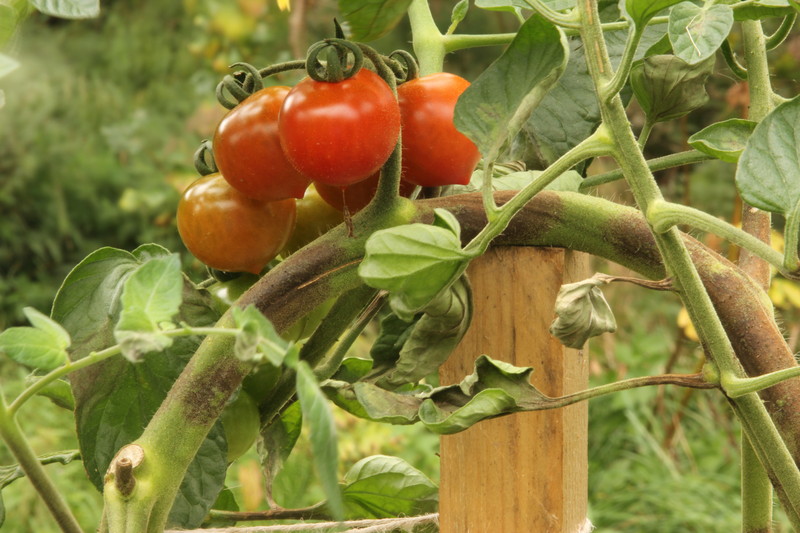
pixel 96 140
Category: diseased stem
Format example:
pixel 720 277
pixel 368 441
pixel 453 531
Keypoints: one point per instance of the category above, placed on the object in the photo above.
pixel 314 512
pixel 756 486
pixel 21 449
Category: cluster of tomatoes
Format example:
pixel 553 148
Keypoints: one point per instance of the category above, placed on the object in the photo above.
pixel 282 150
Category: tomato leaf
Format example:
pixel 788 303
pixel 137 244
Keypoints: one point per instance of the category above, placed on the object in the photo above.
pixel 667 87
pixel 641 11
pixel 382 487
pixel 569 113
pixel 432 338
pixel 324 443
pixel 204 480
pixel 151 296
pixel 68 9
pixel 368 20
pixel 59 392
pixel 724 140
pixel 375 403
pixel 696 32
pixel 278 440
pixel 495 107
pixel 582 312
pixel 42 346
pixel 414 263
pixel 767 175
pixel 114 400
pixel 258 340
pixel 88 302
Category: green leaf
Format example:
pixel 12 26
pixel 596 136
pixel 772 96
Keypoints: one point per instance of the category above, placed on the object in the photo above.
pixel 318 415
pixel 383 487
pixel 494 108
pixel 68 9
pixel 151 296
pixel 58 391
pixel 641 11
pixel 768 175
pixel 114 400
pixel 258 340
pixel 7 64
pixel 414 262
pixel 569 113
pixel 279 439
pixel 582 312
pixel 8 25
pixel 442 218
pixel 226 501
pixel 372 402
pixel 696 32
pixel 204 480
pixel 368 20
pixel 48 325
pixel 33 347
pixel 88 302
pixel 724 140
pixel 459 13
pixel 495 388
pixel 433 338
pixel 667 87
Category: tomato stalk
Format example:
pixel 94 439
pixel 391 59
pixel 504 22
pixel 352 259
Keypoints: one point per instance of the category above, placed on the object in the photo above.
pixel 757 424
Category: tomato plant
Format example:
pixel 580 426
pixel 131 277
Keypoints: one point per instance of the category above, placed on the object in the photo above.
pixel 229 231
pixel 358 195
pixel 248 153
pixel 434 152
pixel 340 133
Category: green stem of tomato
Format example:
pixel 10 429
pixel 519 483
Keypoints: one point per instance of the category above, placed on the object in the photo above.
pixel 660 163
pixel 429 43
pixel 757 425
pixel 21 449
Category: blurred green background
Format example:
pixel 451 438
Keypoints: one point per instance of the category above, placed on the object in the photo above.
pixel 96 141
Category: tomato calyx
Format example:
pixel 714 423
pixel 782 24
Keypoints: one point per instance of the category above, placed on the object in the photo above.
pixel 243 83
pixel 336 68
pixel 204 162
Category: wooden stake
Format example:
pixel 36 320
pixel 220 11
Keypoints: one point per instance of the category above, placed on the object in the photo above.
pixel 527 472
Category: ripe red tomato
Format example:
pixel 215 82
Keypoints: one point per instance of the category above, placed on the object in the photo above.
pixel 339 133
pixel 434 152
pixel 248 152
pixel 358 195
pixel 229 231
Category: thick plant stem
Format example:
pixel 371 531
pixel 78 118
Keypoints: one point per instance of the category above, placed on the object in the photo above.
pixel 21 450
pixel 756 487
pixel 429 43
pixel 756 422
